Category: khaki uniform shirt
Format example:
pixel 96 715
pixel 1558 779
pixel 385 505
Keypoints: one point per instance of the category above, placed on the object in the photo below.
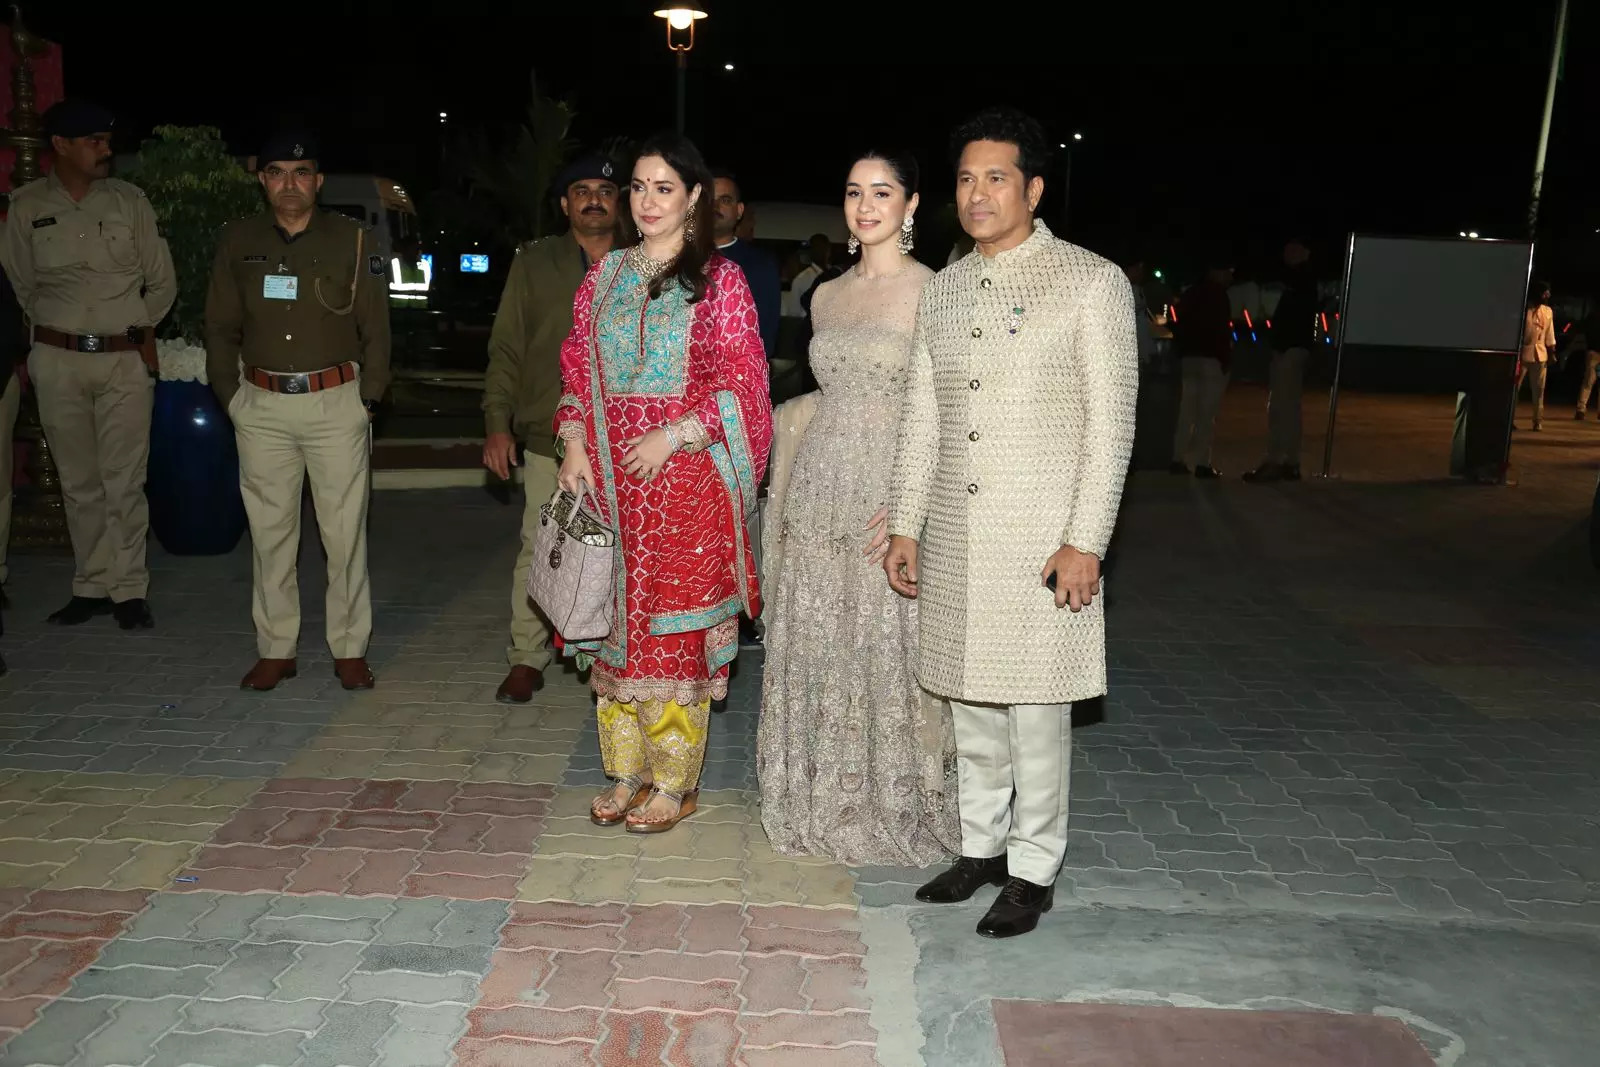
pixel 522 386
pixel 321 327
pixel 90 266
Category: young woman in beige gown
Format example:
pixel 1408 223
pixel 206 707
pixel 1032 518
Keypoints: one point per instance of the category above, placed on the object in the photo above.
pixel 855 761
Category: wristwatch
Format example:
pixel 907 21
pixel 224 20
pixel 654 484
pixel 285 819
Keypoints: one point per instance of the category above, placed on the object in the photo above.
pixel 371 406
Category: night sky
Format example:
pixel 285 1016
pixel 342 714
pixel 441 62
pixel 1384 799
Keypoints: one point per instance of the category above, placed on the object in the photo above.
pixel 1239 122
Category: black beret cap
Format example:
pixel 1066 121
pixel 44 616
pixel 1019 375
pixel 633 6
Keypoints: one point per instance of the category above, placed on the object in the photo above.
pixel 77 118
pixel 591 167
pixel 287 146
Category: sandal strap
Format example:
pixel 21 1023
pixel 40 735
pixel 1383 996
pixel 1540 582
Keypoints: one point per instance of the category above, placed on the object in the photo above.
pixel 633 782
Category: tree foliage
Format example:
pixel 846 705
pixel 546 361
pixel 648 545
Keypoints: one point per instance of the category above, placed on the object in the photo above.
pixel 517 173
pixel 195 187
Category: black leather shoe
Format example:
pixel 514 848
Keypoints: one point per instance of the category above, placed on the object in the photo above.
pixel 964 878
pixel 134 614
pixel 81 609
pixel 1017 909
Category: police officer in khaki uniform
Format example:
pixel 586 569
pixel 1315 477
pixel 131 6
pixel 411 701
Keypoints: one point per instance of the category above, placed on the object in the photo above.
pixel 297 349
pixel 93 278
pixel 522 386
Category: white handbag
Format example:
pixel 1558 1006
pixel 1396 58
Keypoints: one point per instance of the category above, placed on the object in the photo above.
pixel 572 576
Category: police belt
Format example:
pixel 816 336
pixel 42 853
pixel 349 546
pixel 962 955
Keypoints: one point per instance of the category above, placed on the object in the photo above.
pixel 129 341
pixel 308 382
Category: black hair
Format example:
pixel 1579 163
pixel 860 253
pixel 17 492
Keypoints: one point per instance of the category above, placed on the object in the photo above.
pixel 903 165
pixel 724 174
pixel 689 269
pixel 1006 125
pixel 1536 294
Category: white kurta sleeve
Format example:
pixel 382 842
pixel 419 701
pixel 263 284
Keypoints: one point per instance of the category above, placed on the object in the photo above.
pixel 917 452
pixel 1107 347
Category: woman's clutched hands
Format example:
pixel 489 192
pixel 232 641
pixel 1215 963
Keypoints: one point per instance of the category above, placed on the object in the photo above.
pixel 646 455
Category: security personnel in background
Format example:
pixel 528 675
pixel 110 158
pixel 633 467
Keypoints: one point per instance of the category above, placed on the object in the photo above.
pixel 522 386
pixel 297 349
pixel 93 278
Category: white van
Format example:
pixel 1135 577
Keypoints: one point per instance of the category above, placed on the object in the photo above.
pixel 381 203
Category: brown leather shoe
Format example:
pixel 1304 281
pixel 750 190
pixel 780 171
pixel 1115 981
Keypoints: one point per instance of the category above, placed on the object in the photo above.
pixel 520 685
pixel 267 673
pixel 354 673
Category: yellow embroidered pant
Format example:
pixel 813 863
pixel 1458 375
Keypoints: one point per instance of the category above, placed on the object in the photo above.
pixel 663 736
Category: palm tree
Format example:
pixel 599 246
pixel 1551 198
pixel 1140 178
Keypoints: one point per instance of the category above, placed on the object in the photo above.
pixel 517 173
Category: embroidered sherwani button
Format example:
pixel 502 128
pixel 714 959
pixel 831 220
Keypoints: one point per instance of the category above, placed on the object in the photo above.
pixel 986 283
pixel 977 331
pixel 973 385
pixel 973 436
pixel 973 488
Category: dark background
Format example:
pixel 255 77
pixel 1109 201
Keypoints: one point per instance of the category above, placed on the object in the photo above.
pixel 1234 122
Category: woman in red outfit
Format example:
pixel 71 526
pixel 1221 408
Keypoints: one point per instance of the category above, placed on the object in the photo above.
pixel 666 415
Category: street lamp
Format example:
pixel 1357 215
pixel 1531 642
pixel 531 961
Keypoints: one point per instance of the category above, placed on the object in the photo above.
pixel 678 20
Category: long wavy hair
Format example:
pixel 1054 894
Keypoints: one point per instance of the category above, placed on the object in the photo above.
pixel 689 269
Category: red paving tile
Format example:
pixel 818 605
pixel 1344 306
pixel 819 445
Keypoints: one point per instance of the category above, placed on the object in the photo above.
pixel 88 901
pixel 1037 1034
pixel 774 983
pixel 714 927
pixel 534 1024
pixel 52 968
pixel 48 938
pixel 654 926
pixel 836 984
pixel 550 911
pixel 378 838
pixel 634 1039
pixel 808 1028
pixel 511 1053
pixel 708 1040
pixel 804 942
pixel 19 1014
pixel 234 880
pixel 460 886
pixel 515 978
pixel 676 996
pixel 559 937
pixel 639 966
pixel 63 925
pixel 579 980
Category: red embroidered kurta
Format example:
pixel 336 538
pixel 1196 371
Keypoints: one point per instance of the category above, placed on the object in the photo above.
pixel 686 570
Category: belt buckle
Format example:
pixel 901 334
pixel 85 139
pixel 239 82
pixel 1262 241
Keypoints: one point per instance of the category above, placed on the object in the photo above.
pixel 88 343
pixel 296 383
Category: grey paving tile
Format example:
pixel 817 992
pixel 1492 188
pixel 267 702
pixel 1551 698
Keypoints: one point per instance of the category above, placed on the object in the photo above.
pixel 52 1041
pixel 251 971
pixel 252 1015
pixel 222 1048
pixel 426 959
pixel 136 1025
pixel 140 983
pixel 350 1035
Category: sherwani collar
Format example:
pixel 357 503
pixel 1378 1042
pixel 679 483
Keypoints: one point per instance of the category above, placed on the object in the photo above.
pixel 1036 240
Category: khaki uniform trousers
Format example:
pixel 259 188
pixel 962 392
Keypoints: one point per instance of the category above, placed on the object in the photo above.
pixel 283 438
pixel 529 630
pixel 95 409
pixel 10 405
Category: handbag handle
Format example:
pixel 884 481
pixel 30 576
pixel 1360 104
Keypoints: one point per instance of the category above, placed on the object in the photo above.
pixel 583 493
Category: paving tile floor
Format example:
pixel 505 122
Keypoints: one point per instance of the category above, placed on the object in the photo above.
pixel 1346 765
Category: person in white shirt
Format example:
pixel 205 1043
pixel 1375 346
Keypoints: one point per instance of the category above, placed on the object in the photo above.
pixel 1538 341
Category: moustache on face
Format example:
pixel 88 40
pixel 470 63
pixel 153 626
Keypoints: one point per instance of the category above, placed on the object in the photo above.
pixel 594 211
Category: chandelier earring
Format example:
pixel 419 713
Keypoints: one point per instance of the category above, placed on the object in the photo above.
pixel 853 245
pixel 907 243
pixel 688 228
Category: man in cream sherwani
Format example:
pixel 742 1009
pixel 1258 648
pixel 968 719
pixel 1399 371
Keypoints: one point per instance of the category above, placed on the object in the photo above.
pixel 1014 443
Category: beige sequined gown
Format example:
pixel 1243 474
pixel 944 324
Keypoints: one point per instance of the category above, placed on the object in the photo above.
pixel 855 762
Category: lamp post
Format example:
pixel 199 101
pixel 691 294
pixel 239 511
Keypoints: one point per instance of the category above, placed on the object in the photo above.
pixel 1066 181
pixel 679 20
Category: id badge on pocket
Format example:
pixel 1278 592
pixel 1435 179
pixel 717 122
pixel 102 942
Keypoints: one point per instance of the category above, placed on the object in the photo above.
pixel 280 287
